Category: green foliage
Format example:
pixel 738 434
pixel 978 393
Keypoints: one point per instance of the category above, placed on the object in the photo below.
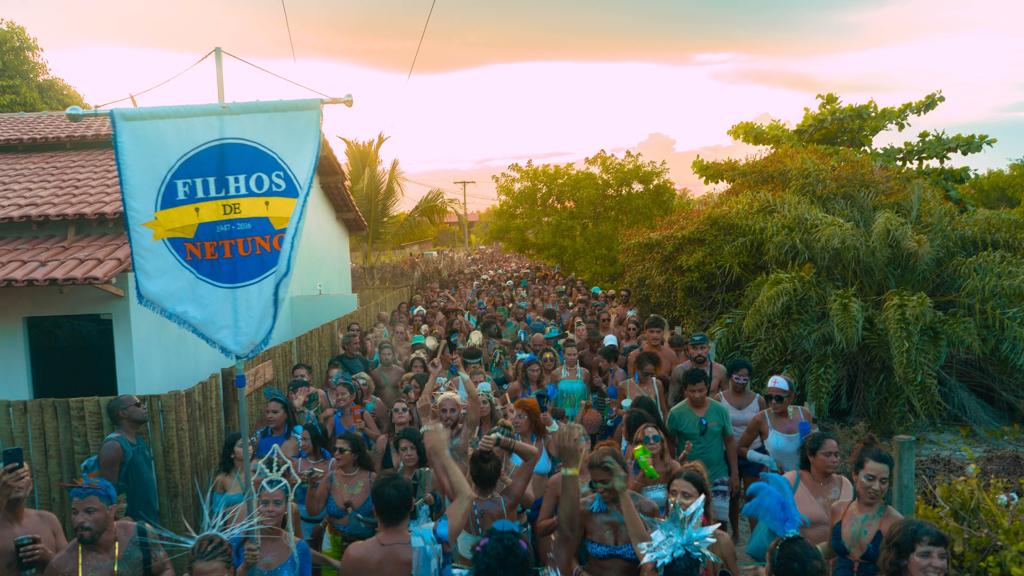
pixel 998 188
pixel 25 81
pixel 835 125
pixel 378 190
pixel 986 533
pixel 577 215
pixel 834 262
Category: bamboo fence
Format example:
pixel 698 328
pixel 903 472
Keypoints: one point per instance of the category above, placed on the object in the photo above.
pixel 186 428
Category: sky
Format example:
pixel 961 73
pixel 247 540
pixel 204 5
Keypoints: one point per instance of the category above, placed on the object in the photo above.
pixel 554 80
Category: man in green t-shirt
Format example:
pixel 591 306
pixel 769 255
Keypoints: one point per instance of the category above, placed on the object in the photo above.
pixel 705 424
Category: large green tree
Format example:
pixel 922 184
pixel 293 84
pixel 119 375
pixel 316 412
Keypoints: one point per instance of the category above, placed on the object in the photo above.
pixel 856 269
pixel 25 81
pixel 576 215
pixel 378 189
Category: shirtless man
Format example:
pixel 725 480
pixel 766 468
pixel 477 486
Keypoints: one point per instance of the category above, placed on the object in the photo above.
pixel 388 375
pixel 448 410
pixel 18 520
pixel 103 546
pixel 697 351
pixel 654 341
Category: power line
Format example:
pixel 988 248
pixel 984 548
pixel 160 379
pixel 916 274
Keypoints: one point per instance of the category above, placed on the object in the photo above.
pixel 289 28
pixel 151 88
pixel 274 74
pixel 420 44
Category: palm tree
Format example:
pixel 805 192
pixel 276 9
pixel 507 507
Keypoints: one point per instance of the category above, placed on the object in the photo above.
pixel 378 190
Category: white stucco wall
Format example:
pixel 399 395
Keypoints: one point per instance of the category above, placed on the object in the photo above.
pixel 18 303
pixel 154 355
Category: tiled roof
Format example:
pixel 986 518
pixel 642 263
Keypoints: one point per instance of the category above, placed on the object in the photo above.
pixel 454 218
pixel 47 184
pixel 51 127
pixel 57 260
pixel 59 184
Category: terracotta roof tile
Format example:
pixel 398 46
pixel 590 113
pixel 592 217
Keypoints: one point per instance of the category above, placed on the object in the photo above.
pixel 59 184
pixel 82 183
pixel 42 127
pixel 37 260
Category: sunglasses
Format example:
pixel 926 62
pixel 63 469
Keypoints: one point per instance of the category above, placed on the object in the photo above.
pixel 339 450
pixel 656 439
pixel 780 398
pixel 594 485
pixel 703 425
pixel 400 409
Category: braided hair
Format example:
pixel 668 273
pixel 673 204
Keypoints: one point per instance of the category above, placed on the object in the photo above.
pixel 210 548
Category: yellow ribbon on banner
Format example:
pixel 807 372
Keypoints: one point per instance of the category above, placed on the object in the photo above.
pixel 182 221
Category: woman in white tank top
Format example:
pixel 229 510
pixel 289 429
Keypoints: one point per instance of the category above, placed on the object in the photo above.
pixel 743 405
pixel 782 428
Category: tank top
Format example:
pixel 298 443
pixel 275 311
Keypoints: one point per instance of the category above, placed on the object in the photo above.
pixel 740 419
pixel 785 448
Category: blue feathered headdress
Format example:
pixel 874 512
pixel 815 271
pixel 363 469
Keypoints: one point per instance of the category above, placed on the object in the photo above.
pixel 773 506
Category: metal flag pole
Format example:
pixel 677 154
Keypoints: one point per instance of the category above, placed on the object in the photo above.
pixel 76 114
pixel 243 401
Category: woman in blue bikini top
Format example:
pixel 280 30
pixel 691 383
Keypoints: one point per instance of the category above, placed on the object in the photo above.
pixel 607 524
pixel 860 525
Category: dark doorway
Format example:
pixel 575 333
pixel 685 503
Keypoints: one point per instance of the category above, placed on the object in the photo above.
pixel 72 356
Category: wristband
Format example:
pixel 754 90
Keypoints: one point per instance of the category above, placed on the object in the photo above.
pixel 761 458
pixel 567 472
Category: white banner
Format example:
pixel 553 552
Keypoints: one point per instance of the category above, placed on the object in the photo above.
pixel 213 201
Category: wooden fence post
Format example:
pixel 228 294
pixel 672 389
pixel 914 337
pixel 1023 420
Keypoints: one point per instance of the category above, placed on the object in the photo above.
pixel 904 490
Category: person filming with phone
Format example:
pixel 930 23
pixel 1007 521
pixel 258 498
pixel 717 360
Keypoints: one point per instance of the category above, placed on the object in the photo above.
pixel 29 539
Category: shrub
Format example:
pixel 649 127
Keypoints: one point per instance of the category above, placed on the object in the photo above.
pixel 985 528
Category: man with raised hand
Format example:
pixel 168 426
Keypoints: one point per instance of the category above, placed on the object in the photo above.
pixel 38 533
pixel 398 549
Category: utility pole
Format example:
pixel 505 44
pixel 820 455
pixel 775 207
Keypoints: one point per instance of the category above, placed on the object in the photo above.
pixel 465 210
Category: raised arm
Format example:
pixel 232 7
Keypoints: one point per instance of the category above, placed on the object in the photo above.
pixel 425 403
pixel 529 454
pixel 570 530
pixel 472 408
pixel 634 523
pixel 436 440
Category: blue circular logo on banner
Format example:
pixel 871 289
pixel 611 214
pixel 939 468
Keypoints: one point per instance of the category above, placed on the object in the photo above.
pixel 223 211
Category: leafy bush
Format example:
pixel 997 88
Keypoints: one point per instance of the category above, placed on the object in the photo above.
pixel 852 268
pixel 986 531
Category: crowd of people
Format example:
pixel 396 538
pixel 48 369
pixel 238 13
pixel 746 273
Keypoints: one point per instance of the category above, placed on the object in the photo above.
pixel 513 420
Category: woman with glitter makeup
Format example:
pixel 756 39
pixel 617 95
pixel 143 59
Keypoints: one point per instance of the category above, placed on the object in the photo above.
pixel 345 495
pixel 607 524
pixel 860 525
